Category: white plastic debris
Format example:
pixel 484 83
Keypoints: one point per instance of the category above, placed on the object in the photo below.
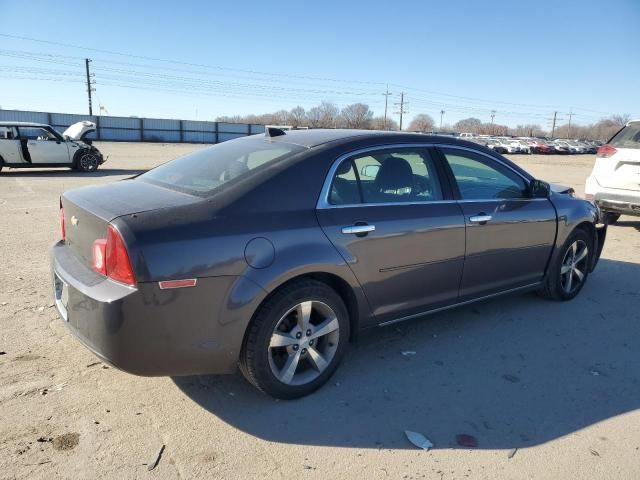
pixel 418 440
pixel 408 353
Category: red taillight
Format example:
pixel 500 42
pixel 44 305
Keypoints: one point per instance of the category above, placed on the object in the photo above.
pixel 117 258
pixel 100 255
pixel 606 151
pixel 63 230
pixel 110 257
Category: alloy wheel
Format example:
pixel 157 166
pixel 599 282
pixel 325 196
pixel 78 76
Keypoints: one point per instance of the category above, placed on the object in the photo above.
pixel 89 162
pixel 303 343
pixel 574 266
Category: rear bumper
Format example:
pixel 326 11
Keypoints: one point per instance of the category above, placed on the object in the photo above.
pixel 612 199
pixel 153 332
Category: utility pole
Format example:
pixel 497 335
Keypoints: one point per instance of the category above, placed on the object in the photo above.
pixel 493 114
pixel 402 110
pixel 386 100
pixel 571 114
pixel 553 128
pixel 442 112
pixel 89 83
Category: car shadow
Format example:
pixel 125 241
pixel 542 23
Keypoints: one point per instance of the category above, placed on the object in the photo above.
pixel 628 224
pixel 101 172
pixel 512 372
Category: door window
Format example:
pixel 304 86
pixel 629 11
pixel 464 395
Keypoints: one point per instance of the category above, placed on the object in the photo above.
pixel 386 176
pixel 480 178
pixel 36 133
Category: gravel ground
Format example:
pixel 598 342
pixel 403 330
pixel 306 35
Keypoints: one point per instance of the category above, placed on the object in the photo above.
pixel 549 390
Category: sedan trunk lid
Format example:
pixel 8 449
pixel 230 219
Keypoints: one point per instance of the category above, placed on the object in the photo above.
pixel 88 210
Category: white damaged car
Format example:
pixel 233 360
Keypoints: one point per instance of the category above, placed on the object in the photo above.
pixel 34 145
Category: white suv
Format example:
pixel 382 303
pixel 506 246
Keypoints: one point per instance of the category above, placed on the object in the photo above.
pixel 614 183
pixel 34 145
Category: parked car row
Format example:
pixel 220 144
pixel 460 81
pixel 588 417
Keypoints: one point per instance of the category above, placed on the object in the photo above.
pixel 529 145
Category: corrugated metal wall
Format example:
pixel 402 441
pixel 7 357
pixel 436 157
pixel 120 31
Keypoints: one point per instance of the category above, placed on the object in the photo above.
pixel 133 129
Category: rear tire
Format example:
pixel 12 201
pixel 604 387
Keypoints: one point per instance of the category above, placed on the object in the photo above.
pixel 296 340
pixel 570 268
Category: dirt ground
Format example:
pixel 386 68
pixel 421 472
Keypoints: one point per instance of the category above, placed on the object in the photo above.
pixel 549 390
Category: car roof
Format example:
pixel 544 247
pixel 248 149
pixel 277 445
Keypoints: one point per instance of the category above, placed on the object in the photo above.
pixel 315 137
pixel 22 124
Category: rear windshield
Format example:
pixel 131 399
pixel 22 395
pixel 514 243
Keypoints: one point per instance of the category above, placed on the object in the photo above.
pixel 203 172
pixel 628 137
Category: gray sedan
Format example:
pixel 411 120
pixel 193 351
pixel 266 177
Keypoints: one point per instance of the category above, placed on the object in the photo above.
pixel 272 252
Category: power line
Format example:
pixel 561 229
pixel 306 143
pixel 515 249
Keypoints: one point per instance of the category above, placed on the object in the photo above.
pixel 271 74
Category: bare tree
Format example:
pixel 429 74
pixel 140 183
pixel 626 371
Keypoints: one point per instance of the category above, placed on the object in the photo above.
pixel 422 123
pixel 323 116
pixel 357 115
pixel 378 123
pixel 471 125
pixel 620 120
pixel 297 117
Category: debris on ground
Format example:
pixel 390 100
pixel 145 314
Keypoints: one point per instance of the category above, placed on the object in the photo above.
pixel 408 353
pixel 511 378
pixel 595 373
pixel 595 453
pixel 93 364
pixel 4 304
pixel 3 353
pixel 39 463
pixel 418 440
pixel 466 440
pixel 66 441
pixel 512 452
pixel 155 463
pixel 44 439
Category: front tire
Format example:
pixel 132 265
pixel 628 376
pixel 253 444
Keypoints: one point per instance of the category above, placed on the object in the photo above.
pixel 570 269
pixel 296 340
pixel 87 161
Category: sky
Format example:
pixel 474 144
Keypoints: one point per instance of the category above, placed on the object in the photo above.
pixel 202 59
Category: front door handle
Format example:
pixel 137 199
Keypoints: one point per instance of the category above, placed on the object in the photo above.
pixel 358 229
pixel 481 218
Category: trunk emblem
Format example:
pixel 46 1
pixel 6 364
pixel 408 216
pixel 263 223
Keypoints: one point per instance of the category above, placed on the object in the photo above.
pixel 74 221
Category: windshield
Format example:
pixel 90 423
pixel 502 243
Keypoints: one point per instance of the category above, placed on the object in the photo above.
pixel 628 137
pixel 204 171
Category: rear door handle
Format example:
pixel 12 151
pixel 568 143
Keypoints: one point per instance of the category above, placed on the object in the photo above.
pixel 480 218
pixel 358 229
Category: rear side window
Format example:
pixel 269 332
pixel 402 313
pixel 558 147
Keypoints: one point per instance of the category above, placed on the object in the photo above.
pixel 205 171
pixel 628 137
pixel 386 176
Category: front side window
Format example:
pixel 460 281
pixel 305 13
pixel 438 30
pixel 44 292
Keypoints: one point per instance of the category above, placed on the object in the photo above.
pixel 386 176
pixel 36 133
pixel 480 178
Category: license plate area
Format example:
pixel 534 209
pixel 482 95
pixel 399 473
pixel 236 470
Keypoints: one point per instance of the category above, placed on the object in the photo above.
pixel 61 295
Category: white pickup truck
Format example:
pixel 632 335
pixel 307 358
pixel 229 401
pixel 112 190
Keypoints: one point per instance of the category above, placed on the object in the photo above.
pixel 35 145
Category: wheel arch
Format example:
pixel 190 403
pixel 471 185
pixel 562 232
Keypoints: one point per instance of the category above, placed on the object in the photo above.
pixel 349 296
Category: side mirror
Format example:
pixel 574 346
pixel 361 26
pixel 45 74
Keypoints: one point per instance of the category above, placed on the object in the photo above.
pixel 370 171
pixel 539 189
